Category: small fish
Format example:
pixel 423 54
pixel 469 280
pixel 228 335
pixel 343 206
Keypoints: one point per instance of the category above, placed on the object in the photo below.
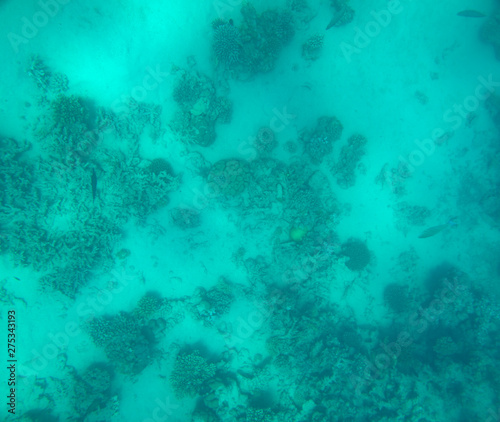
pixel 431 231
pixel 471 14
pixel 93 182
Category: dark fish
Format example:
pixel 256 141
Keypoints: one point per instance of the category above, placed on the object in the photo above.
pixel 93 182
pixel 340 10
pixel 431 231
pixel 471 14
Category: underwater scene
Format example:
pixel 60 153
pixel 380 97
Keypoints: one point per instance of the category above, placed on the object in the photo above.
pixel 250 211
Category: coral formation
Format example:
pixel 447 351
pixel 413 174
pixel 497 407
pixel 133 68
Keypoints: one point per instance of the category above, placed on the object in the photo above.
pixel 159 165
pixel 493 106
pixel 190 374
pixel 185 218
pixel 92 389
pixel 148 305
pixel 358 254
pixel 200 108
pixel 345 168
pixel 228 177
pixel 222 110
pixel 46 80
pixel 490 32
pixel 69 113
pixel 214 303
pixel 219 298
pixel 410 215
pixel 445 347
pixel 72 118
pixel 312 47
pixel 68 279
pixel 123 253
pixel 138 187
pixel 490 203
pixel 319 142
pixel 396 297
pixel 227 44
pixel 265 141
pixel 255 45
pixel 123 339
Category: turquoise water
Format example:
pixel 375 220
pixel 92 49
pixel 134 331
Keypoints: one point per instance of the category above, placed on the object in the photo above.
pixel 235 211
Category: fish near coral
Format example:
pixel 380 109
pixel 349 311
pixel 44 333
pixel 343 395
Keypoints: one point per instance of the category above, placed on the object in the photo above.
pixel 471 14
pixel 431 231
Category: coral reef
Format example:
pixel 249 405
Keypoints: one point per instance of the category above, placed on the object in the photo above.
pixel 46 80
pixel 69 114
pixel 265 141
pixel 190 374
pixel 67 253
pixel 260 38
pixel 190 87
pixel 69 128
pixel 228 177
pixel 227 44
pixel 312 47
pixel 123 253
pixel 301 335
pixel 200 108
pixel 217 300
pixel 445 347
pixel 92 390
pixel 490 32
pixel 223 110
pixel 185 218
pixel 350 155
pixel 148 305
pixel 137 187
pixel 395 178
pixel 18 177
pixel 358 254
pixel 493 106
pixel 396 297
pixel 490 203
pixel 267 184
pixel 159 165
pixel 123 339
pixel 67 279
pixel 319 142
pixel 407 215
